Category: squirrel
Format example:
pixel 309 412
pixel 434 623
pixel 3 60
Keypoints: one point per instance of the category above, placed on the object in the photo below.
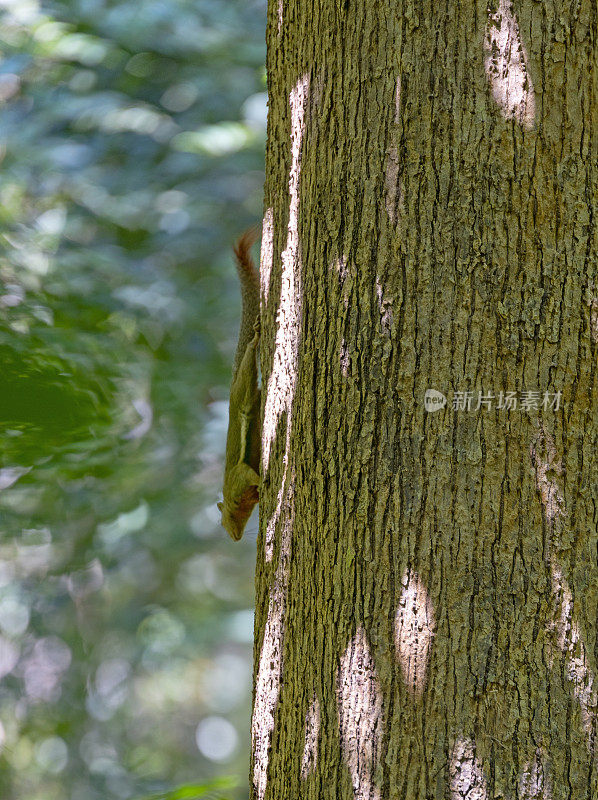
pixel 243 441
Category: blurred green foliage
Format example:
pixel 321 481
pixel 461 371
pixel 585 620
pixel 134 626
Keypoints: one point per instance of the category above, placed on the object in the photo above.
pixel 131 147
pixel 205 791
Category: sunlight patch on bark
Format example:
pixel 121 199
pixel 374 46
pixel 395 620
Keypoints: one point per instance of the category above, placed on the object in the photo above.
pixel 466 773
pixel 573 647
pixel 415 626
pixel 506 66
pixel 340 266
pixel 266 253
pixel 269 676
pixel 535 783
pixel 543 455
pixel 282 381
pixel 273 521
pixel 345 359
pixel 393 188
pixel 312 731
pixel 398 100
pixel 594 319
pixel 284 502
pixel 565 629
pixel 360 715
pixel 280 16
pixel 267 690
pixel 384 307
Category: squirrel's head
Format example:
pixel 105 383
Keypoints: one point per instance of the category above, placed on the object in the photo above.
pixel 231 523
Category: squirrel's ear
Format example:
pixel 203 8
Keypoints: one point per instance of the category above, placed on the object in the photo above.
pixel 220 507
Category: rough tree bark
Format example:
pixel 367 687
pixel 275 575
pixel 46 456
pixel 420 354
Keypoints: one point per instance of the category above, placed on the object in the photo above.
pixel 427 579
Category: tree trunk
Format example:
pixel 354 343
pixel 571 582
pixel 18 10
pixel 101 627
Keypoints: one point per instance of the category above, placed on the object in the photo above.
pixel 427 579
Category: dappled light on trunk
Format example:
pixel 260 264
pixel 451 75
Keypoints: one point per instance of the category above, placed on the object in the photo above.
pixel 535 781
pixel 312 732
pixel 360 715
pixel 266 254
pixel 269 676
pixel 573 650
pixel 466 773
pixel 506 66
pixel 414 632
pixel 282 380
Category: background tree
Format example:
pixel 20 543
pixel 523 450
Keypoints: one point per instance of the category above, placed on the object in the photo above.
pixel 427 579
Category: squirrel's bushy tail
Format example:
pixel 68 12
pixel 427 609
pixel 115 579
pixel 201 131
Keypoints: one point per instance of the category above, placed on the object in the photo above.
pixel 250 291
